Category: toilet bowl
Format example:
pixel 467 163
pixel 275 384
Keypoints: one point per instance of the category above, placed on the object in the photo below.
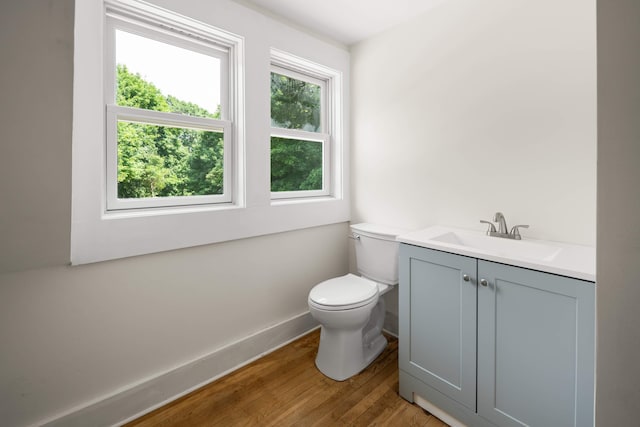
pixel 344 349
pixel 350 309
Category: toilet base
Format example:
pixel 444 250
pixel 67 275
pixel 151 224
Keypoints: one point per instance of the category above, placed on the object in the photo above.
pixel 375 348
pixel 352 356
pixel 344 353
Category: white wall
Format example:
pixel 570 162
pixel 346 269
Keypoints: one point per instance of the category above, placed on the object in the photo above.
pixel 35 133
pixel 477 107
pixel 74 334
pixel 69 335
pixel 618 253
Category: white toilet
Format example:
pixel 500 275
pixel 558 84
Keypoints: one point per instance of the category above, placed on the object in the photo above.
pixel 350 309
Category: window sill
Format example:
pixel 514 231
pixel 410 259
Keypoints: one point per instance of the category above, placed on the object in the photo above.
pixel 300 200
pixel 126 234
pixel 177 210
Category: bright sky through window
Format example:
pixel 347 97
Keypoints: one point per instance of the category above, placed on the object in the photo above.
pixel 185 74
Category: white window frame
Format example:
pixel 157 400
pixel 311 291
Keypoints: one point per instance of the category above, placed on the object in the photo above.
pixel 329 81
pixel 98 234
pixel 120 17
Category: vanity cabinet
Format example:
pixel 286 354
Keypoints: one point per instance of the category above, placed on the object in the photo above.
pixel 495 345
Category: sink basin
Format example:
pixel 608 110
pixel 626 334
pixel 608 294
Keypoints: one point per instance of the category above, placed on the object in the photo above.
pixel 552 257
pixel 499 246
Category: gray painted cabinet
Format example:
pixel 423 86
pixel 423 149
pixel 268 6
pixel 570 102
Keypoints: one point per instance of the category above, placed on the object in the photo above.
pixel 518 351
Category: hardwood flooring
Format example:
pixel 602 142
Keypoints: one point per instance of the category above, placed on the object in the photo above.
pixel 285 388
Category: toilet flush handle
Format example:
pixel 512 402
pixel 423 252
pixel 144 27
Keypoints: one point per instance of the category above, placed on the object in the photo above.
pixel 354 236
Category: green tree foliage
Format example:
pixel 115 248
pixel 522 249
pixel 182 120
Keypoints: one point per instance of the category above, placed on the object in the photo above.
pixel 160 161
pixel 295 164
pixel 295 104
pixel 134 91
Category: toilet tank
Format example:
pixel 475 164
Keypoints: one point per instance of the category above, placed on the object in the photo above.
pixel 377 251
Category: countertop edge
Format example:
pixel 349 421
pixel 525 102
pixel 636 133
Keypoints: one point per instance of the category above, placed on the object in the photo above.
pixel 479 254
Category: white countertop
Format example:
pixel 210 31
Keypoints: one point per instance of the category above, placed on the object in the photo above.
pixel 552 257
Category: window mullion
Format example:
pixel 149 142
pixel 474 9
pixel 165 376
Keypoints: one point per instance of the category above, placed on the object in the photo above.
pixel 298 75
pixel 299 134
pixel 166 118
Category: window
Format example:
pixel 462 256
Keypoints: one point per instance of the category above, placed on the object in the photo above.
pixel 162 167
pixel 169 135
pixel 301 128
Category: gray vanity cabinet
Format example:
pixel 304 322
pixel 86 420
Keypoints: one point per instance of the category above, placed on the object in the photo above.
pixel 507 347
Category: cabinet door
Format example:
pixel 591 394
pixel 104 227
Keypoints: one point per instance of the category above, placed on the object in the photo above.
pixel 535 348
pixel 438 321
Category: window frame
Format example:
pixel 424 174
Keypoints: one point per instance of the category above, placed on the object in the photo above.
pixel 101 235
pixel 117 19
pixel 301 69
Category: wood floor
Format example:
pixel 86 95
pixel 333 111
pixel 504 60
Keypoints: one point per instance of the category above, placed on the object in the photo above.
pixel 284 388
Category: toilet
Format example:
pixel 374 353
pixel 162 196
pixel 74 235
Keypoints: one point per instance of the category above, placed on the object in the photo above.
pixel 350 309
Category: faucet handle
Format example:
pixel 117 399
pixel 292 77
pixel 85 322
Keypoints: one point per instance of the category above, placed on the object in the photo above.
pixel 515 232
pixel 491 229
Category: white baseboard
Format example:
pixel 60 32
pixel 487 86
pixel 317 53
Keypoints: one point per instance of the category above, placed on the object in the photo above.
pixel 437 412
pixel 139 399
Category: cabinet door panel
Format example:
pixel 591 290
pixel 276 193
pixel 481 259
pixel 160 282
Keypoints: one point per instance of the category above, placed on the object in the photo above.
pixel 439 320
pixel 535 347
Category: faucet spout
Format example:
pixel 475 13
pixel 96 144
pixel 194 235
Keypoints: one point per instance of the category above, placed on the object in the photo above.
pixel 503 231
pixel 502 223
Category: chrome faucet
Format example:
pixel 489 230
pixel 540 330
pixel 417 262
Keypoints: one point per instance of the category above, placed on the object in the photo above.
pixel 502 228
pixel 502 223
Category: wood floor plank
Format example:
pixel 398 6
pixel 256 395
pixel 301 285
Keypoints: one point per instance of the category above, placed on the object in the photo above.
pixel 367 403
pixel 284 388
pixel 412 416
pixel 359 387
pixel 273 384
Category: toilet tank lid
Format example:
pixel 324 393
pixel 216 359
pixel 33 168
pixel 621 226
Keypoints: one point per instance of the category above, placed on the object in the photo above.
pixel 376 230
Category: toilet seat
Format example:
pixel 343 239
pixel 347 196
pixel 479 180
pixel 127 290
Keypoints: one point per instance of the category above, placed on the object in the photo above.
pixel 343 293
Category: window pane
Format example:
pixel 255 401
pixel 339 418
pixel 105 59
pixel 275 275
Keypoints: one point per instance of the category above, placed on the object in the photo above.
pixel 295 164
pixel 295 104
pixel 163 161
pixel 158 76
